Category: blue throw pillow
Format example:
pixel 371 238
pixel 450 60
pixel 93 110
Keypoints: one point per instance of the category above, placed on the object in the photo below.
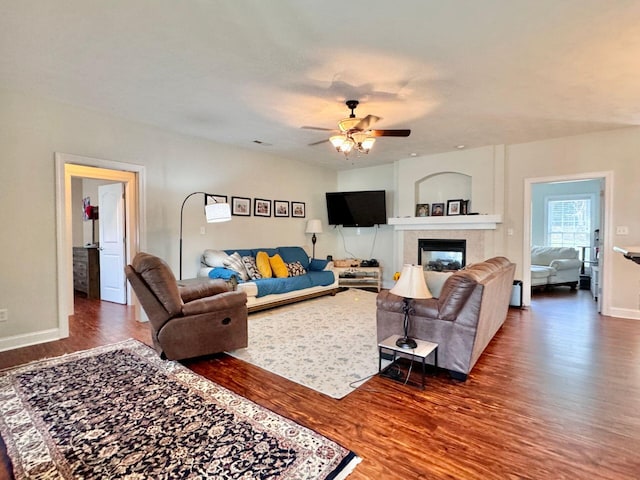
pixel 317 264
pixel 294 254
pixel 224 273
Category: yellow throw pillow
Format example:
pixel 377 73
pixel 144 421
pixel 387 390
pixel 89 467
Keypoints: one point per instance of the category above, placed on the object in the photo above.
pixel 263 264
pixel 278 267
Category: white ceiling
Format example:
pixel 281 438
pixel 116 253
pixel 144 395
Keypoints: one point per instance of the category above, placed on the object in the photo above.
pixel 472 72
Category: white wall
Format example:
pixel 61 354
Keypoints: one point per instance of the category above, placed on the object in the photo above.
pixel 32 129
pixel 372 242
pixel 615 151
pixel 499 174
pixel 483 165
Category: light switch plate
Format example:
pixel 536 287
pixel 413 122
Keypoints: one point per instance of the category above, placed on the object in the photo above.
pixel 622 230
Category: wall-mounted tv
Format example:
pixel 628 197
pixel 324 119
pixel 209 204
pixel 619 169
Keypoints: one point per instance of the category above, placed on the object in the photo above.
pixel 357 209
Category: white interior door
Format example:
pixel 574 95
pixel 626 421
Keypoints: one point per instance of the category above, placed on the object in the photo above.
pixel 112 243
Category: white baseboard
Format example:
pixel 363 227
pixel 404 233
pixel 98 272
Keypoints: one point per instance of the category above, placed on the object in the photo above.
pixel 625 313
pixel 18 341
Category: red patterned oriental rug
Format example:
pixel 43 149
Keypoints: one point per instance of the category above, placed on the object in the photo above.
pixel 120 411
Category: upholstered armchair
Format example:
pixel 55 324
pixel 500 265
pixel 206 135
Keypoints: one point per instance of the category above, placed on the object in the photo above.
pixel 190 321
pixel 553 266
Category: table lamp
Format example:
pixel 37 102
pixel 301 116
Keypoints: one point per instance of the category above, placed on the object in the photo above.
pixel 314 226
pixel 410 285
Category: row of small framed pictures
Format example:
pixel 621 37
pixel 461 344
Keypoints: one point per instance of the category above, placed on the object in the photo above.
pixel 241 206
pixel 454 207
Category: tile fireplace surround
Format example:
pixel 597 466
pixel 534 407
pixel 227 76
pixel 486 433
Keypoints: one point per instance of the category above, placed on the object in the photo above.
pixel 473 229
pixel 475 243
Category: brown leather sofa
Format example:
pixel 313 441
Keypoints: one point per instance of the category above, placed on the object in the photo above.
pixel 471 308
pixel 190 321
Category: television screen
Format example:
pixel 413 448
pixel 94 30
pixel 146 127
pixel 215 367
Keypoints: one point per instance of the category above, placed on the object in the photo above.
pixel 357 209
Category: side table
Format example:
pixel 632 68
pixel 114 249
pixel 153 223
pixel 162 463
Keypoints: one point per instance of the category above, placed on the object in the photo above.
pixel 421 352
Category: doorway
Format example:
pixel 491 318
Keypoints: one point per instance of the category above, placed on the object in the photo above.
pixel 605 180
pixel 131 176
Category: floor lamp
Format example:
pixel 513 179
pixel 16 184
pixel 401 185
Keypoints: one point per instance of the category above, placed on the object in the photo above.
pixel 214 212
pixel 314 226
pixel 410 285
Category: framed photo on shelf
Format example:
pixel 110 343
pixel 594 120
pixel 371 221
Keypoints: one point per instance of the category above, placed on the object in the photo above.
pixel 464 207
pixel 280 208
pixel 297 209
pixel 241 206
pixel 437 209
pixel 454 207
pixel 261 207
pixel 422 210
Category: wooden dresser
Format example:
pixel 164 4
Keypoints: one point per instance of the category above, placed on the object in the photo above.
pixel 86 271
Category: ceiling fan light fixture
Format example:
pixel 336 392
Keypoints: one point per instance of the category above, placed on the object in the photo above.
pixel 337 141
pixel 359 137
pixel 348 123
pixel 356 133
pixel 367 143
pixel 347 146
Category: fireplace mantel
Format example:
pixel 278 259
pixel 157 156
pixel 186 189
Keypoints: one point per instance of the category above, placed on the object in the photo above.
pixel 452 222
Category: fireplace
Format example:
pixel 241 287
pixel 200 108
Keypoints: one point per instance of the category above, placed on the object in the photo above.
pixel 442 254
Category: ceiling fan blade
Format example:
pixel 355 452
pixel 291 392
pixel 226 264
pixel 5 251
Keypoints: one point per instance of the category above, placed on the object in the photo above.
pixel 318 143
pixel 366 122
pixel 319 128
pixel 390 133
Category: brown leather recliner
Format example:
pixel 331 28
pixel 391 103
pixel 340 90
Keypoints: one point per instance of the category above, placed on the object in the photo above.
pixel 189 321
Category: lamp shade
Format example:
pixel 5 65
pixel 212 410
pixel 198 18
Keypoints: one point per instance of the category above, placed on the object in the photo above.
pixel 218 212
pixel 411 283
pixel 314 226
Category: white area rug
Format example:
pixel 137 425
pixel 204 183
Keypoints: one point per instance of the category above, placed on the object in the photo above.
pixel 325 344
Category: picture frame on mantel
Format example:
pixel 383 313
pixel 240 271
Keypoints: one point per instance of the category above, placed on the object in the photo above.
pixel 437 209
pixel 464 207
pixel 454 207
pixel 422 210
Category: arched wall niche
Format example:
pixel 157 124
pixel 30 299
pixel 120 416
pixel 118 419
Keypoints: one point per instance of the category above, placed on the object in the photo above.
pixel 442 186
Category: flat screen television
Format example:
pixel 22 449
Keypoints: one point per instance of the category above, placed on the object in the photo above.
pixel 357 209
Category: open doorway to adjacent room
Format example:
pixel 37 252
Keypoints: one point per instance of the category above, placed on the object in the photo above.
pixel 72 201
pixel 570 211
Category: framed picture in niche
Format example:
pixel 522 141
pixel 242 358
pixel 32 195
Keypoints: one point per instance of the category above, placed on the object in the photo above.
pixel 261 207
pixel 241 206
pixel 280 208
pixel 297 209
pixel 422 210
pixel 437 209
pixel 464 207
pixel 454 207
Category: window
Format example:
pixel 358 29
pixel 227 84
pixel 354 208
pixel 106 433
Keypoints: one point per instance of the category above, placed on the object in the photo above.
pixel 568 222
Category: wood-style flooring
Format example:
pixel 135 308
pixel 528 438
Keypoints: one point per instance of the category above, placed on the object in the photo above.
pixel 555 395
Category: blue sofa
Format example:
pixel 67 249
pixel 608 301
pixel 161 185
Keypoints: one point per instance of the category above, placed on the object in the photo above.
pixel 318 279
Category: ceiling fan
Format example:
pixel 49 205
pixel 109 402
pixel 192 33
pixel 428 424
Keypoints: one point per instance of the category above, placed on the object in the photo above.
pixel 355 133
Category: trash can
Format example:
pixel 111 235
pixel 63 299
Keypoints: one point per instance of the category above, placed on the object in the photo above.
pixel 516 294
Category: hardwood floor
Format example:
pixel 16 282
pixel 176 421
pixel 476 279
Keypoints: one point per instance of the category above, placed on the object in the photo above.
pixel 555 395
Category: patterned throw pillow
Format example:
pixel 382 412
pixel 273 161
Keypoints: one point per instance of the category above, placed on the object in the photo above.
pixel 296 269
pixel 234 262
pixel 252 268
